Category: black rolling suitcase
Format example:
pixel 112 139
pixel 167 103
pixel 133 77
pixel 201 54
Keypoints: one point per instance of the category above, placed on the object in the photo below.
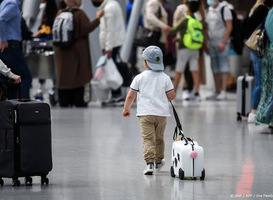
pixel 25 141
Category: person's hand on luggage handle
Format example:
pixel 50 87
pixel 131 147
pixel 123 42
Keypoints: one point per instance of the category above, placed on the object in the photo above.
pixel 3 46
pixel 16 78
pixel 100 14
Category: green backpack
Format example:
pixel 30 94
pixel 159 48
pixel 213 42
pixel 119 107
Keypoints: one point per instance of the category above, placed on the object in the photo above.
pixel 194 36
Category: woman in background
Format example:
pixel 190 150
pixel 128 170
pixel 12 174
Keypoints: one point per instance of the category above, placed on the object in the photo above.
pixel 264 112
pixel 256 16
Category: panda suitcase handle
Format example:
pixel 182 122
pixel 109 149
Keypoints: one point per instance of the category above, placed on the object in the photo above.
pixel 178 129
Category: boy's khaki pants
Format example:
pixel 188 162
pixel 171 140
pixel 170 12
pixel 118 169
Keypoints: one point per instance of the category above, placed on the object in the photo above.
pixel 152 129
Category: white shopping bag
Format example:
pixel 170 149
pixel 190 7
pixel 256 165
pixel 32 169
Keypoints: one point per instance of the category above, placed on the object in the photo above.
pixel 113 78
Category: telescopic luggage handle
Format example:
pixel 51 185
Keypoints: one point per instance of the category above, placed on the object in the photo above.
pixel 178 129
pixel 18 88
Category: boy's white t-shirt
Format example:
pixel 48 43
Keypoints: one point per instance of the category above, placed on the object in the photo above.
pixel 152 88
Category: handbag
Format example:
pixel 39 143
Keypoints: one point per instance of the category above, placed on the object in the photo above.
pixel 112 76
pixel 257 41
pixel 145 37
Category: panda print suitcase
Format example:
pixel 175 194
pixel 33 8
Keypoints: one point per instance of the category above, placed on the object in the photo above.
pixel 187 155
pixel 187 159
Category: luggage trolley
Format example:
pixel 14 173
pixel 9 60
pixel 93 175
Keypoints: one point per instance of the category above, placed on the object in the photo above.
pixel 40 57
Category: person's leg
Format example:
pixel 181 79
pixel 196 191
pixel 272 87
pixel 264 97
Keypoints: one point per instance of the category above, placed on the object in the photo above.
pixel 176 81
pixel 194 69
pixel 148 135
pixel 159 138
pixel 182 60
pixel 257 90
pixel 65 97
pixel 78 95
pixel 213 52
pixel 257 62
pixel 189 82
pixel 224 72
pixel 116 93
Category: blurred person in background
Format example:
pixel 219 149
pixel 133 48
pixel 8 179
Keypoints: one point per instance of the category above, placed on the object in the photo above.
pixel 256 16
pixel 10 44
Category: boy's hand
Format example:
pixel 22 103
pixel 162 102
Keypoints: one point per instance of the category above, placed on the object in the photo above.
pixel 126 113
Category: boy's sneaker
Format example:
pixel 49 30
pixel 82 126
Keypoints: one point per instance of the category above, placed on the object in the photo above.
pixel 222 96
pixel 251 118
pixel 212 97
pixel 149 169
pixel 158 166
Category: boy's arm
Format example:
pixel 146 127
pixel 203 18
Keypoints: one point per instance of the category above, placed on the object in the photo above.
pixel 128 102
pixel 171 95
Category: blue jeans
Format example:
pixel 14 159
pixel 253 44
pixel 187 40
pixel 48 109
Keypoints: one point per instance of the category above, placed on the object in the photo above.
pixel 14 58
pixel 256 93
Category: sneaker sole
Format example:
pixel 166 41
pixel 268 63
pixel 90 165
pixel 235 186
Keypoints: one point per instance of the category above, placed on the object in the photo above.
pixel 148 173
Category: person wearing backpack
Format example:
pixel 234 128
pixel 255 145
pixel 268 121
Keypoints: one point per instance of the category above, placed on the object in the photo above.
pixel 73 63
pixel 256 16
pixel 190 42
pixel 188 85
pixel 218 46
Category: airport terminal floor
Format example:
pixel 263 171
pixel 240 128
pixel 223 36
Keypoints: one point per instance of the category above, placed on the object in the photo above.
pixel 97 155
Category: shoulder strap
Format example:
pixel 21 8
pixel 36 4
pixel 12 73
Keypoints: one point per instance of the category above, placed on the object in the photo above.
pixel 222 14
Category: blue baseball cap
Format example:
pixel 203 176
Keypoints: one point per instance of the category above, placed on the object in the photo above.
pixel 154 57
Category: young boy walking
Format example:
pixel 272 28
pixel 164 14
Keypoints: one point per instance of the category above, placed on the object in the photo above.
pixel 153 89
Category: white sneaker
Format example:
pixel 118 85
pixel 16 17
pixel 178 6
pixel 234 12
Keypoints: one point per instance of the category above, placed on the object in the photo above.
pixel 158 166
pixel 222 96
pixel 186 95
pixel 149 169
pixel 212 97
pixel 197 97
pixel 251 118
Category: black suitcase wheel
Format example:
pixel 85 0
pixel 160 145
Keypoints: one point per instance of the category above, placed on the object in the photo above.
pixel 1 182
pixel 44 180
pixel 16 183
pixel 239 118
pixel 172 172
pixel 203 175
pixel 181 174
pixel 28 181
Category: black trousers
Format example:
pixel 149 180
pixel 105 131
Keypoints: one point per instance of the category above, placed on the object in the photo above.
pixel 72 97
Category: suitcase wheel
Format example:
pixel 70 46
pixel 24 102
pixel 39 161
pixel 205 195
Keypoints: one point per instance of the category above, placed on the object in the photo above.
pixel 203 175
pixel 181 174
pixel 172 172
pixel 16 182
pixel 28 181
pixel 1 182
pixel 239 118
pixel 44 180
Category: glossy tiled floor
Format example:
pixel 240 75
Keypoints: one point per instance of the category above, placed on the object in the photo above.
pixel 97 154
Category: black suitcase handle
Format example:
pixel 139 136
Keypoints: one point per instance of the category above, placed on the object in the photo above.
pixel 12 84
pixel 178 129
